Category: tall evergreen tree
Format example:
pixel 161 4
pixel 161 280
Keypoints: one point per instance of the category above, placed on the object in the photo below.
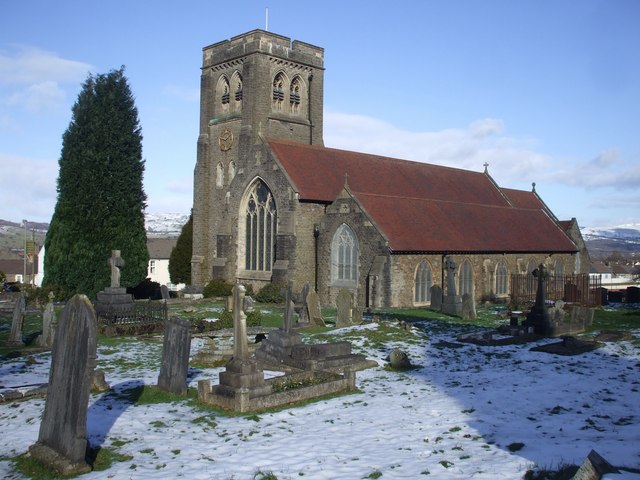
pixel 180 258
pixel 101 200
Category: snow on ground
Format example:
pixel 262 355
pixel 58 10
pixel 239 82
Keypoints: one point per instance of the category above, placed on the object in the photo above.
pixel 458 415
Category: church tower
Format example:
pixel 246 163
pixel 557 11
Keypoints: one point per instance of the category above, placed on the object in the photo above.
pixel 254 86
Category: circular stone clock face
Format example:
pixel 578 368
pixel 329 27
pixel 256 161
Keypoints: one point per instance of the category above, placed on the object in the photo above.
pixel 225 140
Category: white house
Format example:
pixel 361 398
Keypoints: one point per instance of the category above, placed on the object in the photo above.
pixel 159 253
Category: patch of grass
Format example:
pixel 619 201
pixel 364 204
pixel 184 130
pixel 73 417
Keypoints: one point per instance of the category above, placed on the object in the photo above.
pixel 619 319
pixel 375 474
pixel 515 446
pixel 446 463
pixel 31 468
pixel 107 457
pixel 260 475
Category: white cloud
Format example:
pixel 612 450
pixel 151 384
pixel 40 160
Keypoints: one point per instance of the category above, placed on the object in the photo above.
pixel 26 65
pixel 28 188
pixel 40 96
pixel 512 161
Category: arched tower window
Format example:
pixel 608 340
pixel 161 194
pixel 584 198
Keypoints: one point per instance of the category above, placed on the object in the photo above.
pixel 296 95
pixel 222 95
pixel 219 175
pixel 422 284
pixel 279 85
pixel 236 85
pixel 344 257
pixel 466 278
pixel 260 228
pixel 502 279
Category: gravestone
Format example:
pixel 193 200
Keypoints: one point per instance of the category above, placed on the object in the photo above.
pixel 242 371
pixel 343 304
pixel 468 307
pixel 114 301
pixel 452 302
pixel 249 304
pixel 356 313
pixel 594 467
pixel 602 295
pixel 313 304
pixel 15 337
pixel 538 318
pixel 48 324
pixel 164 291
pixel 62 442
pixel 175 356
pixel 436 297
pixel 399 360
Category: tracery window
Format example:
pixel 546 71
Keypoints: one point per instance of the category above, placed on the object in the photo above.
pixel 423 283
pixel 278 92
pixel 222 95
pixel 260 228
pixel 466 278
pixel 344 257
pixel 294 95
pixel 236 81
pixel 502 279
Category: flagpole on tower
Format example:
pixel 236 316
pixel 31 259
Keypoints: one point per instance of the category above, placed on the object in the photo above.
pixel 266 14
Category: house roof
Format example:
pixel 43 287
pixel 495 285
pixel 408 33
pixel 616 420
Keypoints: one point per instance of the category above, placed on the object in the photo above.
pixel 16 266
pixel 424 207
pixel 160 248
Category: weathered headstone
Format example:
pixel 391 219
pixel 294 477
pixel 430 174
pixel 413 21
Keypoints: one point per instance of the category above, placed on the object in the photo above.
pixel 175 356
pixel 15 337
pixel 164 292
pixel 468 307
pixel 436 297
pixel 99 382
pixel 249 304
pixel 356 312
pixel 399 360
pixel 313 304
pixel 62 442
pixel 343 304
pixel 594 467
pixel 452 302
pixel 538 318
pixel 48 324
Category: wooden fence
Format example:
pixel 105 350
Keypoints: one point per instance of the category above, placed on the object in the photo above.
pixel 579 289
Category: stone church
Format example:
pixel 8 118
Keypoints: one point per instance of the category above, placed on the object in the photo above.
pixel 273 204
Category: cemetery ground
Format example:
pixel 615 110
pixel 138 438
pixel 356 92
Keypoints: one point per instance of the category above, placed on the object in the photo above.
pixel 462 411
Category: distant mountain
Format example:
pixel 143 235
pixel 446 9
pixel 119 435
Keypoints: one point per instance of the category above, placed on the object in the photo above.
pixel 165 224
pixel 605 241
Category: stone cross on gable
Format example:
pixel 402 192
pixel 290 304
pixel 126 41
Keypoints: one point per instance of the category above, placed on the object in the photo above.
pixel 115 262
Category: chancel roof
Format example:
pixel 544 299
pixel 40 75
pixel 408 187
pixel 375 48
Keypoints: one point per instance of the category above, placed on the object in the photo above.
pixel 421 207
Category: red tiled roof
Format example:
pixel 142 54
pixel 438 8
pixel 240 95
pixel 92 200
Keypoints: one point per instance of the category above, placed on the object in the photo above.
pixel 423 207
pixel 318 173
pixel 522 198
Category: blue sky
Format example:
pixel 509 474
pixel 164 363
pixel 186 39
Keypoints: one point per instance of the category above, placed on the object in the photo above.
pixel 544 91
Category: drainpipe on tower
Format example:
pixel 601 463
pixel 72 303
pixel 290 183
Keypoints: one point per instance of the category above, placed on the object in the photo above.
pixel 316 234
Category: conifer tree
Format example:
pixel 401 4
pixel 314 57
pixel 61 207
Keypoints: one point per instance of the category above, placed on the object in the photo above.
pixel 180 258
pixel 101 200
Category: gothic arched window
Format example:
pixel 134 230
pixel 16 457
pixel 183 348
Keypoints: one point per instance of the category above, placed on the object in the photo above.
pixel 278 91
pixel 466 278
pixel 344 257
pixel 559 268
pixel 422 284
pixel 502 279
pixel 236 84
pixel 260 228
pixel 532 265
pixel 222 95
pixel 295 93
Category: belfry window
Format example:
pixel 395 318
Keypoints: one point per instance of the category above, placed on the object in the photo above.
pixel 294 95
pixel 278 92
pixel 260 228
pixel 344 257
pixel 423 283
pixel 225 94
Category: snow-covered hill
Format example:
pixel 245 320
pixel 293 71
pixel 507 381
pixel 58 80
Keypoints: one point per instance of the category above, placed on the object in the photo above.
pixel 165 224
pixel 622 232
